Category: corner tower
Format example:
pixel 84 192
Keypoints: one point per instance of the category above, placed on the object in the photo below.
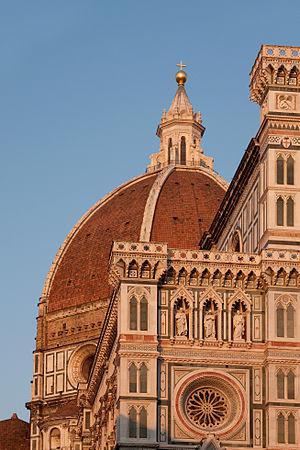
pixel 180 132
pixel 275 86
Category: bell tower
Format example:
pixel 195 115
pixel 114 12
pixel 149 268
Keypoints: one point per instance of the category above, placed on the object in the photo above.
pixel 275 86
pixel 180 132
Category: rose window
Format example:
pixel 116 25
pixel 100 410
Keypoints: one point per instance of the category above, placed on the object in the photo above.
pixel 210 401
pixel 207 407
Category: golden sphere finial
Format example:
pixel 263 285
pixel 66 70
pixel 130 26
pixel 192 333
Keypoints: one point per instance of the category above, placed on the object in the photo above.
pixel 181 76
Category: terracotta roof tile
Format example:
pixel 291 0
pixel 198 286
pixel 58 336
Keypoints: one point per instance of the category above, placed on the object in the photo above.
pixel 185 209
pixel 14 434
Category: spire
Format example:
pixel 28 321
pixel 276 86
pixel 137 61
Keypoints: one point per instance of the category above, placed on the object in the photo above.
pixel 180 132
pixel 181 104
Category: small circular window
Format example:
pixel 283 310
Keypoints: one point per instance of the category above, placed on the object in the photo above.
pixel 86 367
pixel 80 364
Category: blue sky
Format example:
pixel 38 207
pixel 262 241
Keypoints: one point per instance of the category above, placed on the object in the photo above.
pixel 82 88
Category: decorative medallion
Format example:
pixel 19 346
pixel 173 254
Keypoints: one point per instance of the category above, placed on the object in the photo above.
pixel 286 142
pixel 286 102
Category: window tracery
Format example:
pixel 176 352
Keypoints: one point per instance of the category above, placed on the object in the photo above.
pixel 286 428
pixel 138 377
pixel 207 407
pixel 138 422
pixel 138 313
pixel 132 423
pixel 132 378
pixel 285 317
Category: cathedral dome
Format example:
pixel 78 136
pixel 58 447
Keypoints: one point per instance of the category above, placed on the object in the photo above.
pixel 175 205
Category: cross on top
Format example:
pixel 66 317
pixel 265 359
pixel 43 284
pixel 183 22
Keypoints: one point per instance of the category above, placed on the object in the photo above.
pixel 181 65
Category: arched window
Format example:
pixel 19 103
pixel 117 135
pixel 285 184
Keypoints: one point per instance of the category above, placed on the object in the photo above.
pixel 146 270
pixel 132 378
pixel 280 321
pixel 133 313
pixel 280 170
pixel 290 170
pixel 236 242
pixel 143 423
pixel 280 429
pixel 290 317
pixel 182 151
pixel 290 212
pixel 144 314
pixel 291 429
pixel 280 384
pixel 86 367
pixel 291 385
pixel 169 150
pixel 143 378
pixel 132 423
pixel 280 79
pixel 279 211
pixel 133 269
pixel 55 439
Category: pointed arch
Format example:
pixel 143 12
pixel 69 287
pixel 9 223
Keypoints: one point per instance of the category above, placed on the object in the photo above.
pixel 133 378
pixel 270 73
pixel 205 277
pixel 143 378
pixel 280 277
pixel 182 276
pixel 133 314
pixel 121 268
pixel 210 294
pixel 280 170
pixel 194 277
pixel 293 278
pixel 182 303
pixel 217 278
pixel 228 277
pixel 291 429
pixel 280 320
pixel 169 150
pixel 290 169
pixel 293 76
pixel 146 270
pixel 290 212
pixel 251 280
pixel 280 384
pixel 183 150
pixel 240 295
pixel 143 423
pixel 281 75
pixel 290 321
pixel 280 212
pixel 210 443
pixel 236 241
pixel 144 314
pixel 133 269
pixel 170 277
pixel 182 292
pixel 239 279
pixel 132 431
pixel 291 385
pixel 280 429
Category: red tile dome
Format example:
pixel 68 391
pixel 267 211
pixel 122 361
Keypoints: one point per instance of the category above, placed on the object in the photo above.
pixel 176 205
